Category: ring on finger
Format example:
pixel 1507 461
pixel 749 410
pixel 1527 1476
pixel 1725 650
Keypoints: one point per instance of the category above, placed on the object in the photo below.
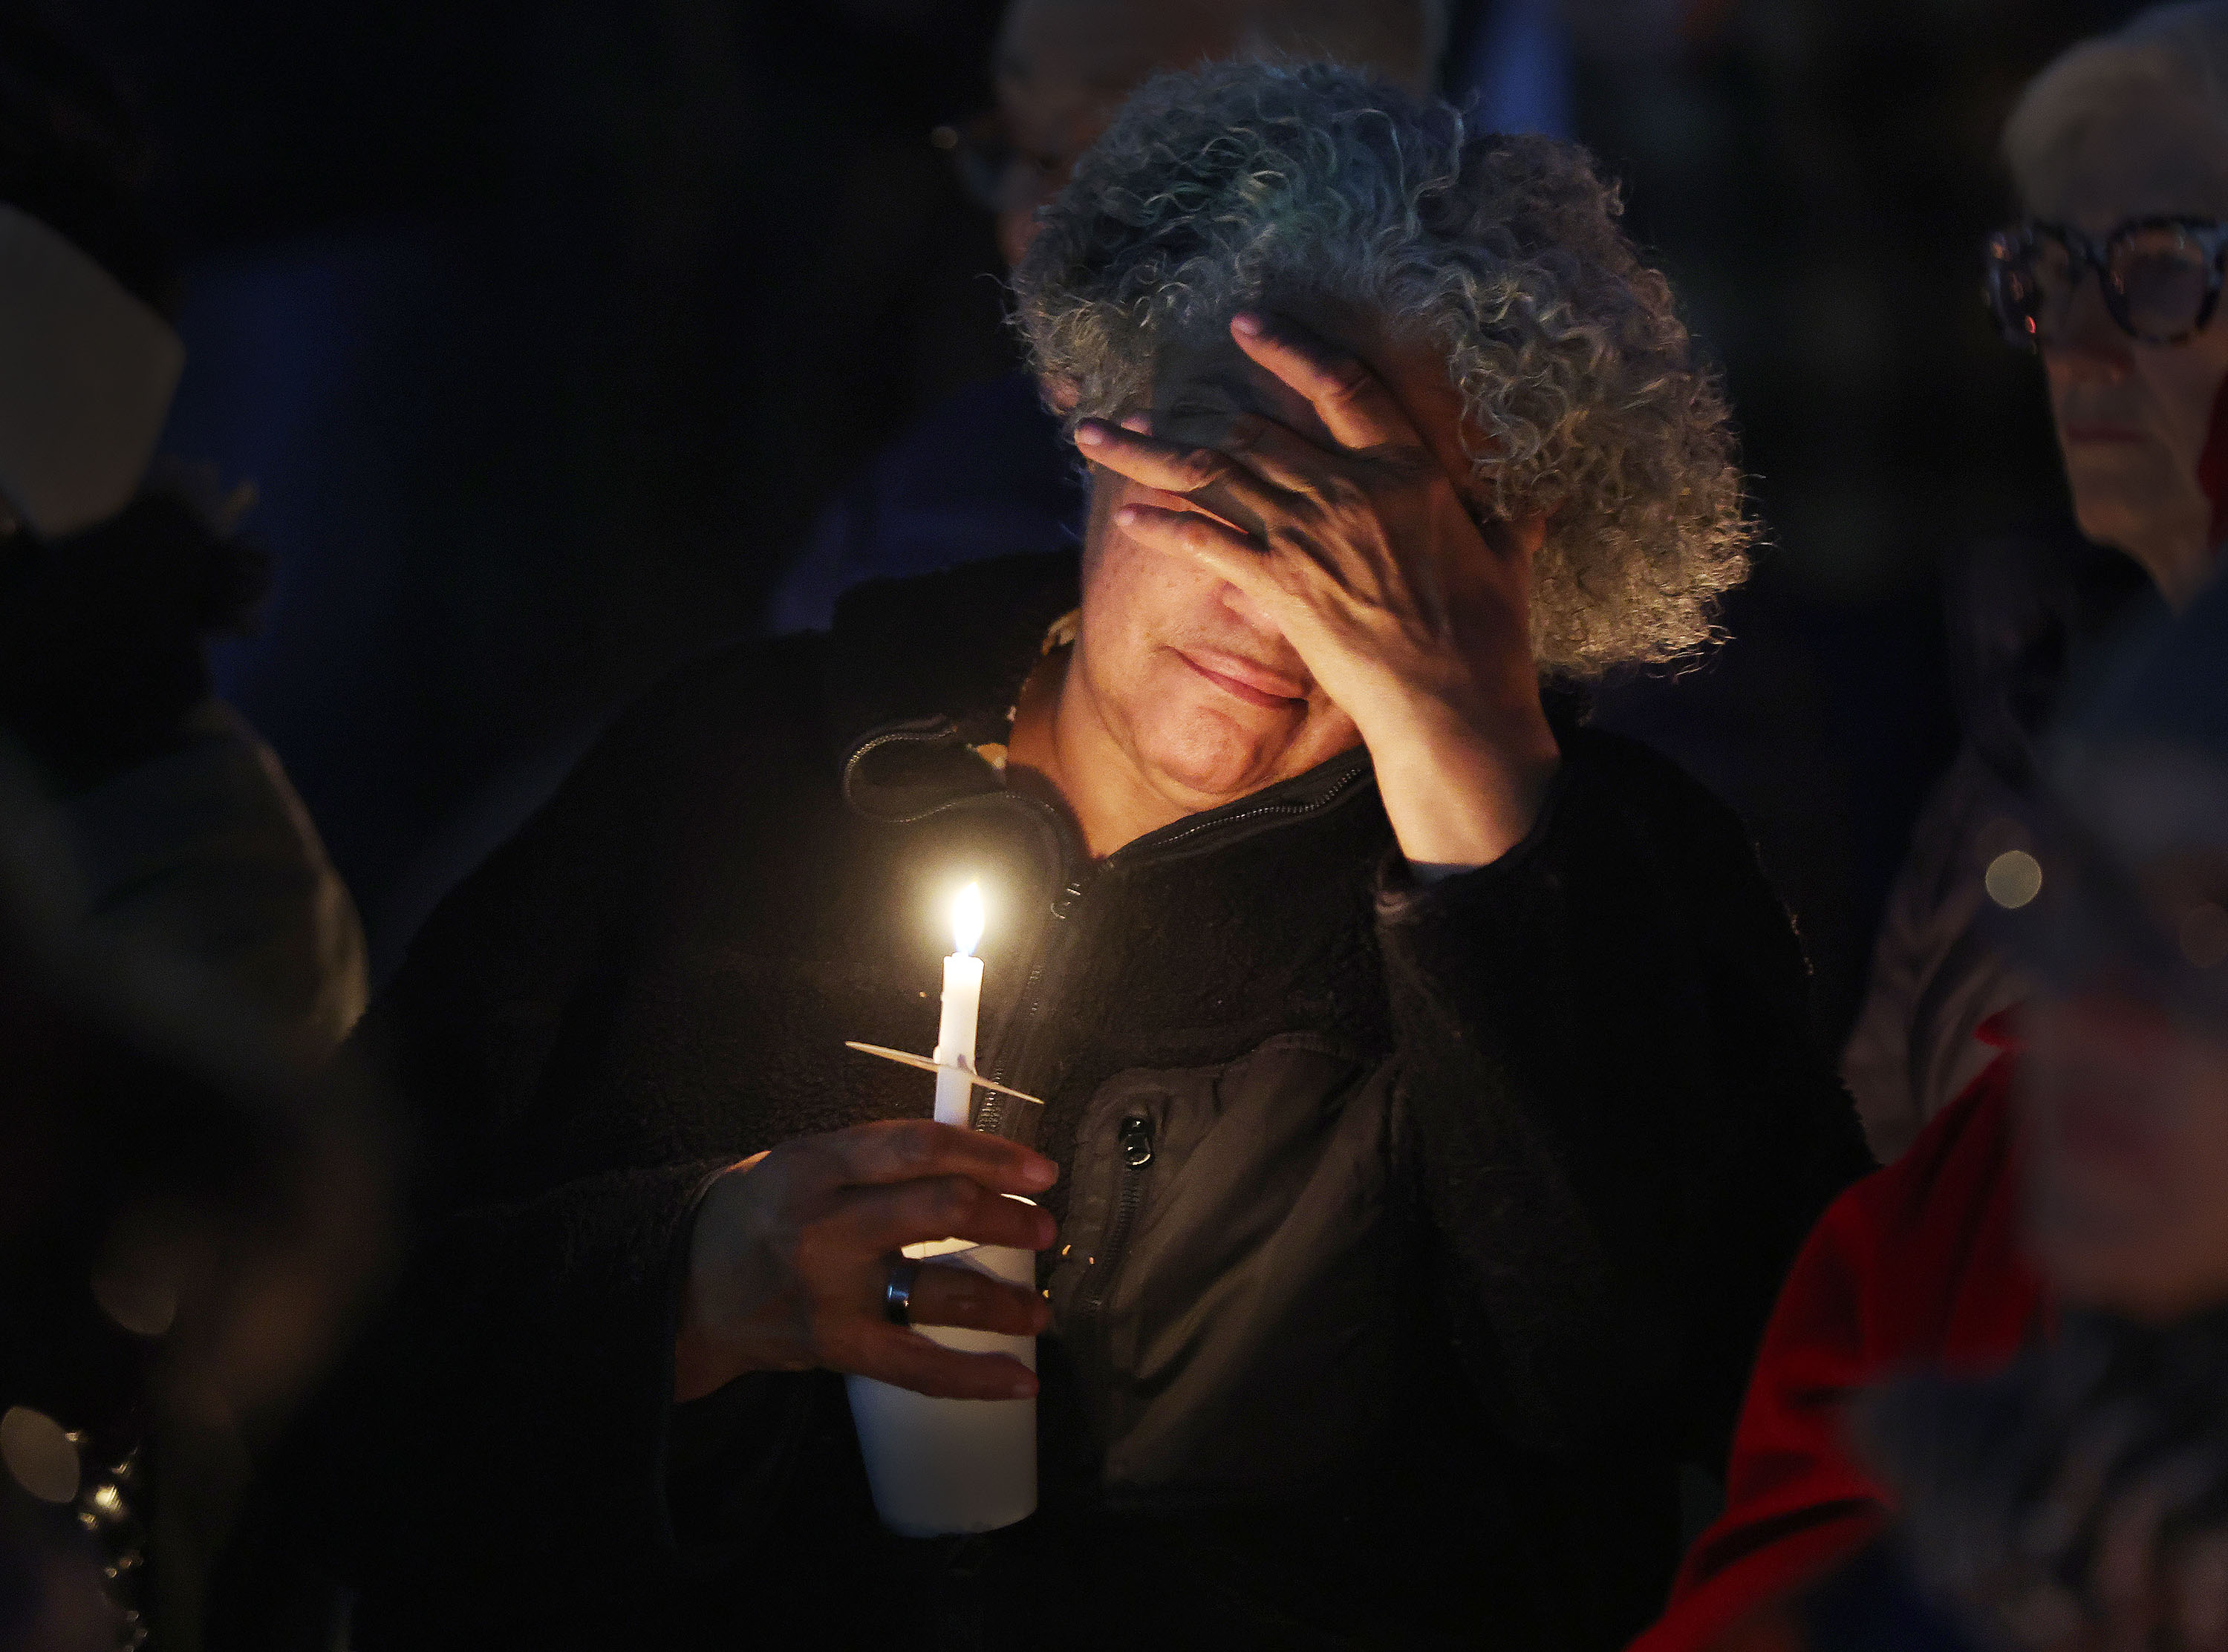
pixel 896 1291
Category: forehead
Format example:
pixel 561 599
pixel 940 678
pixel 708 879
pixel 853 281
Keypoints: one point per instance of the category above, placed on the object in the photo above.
pixel 2169 159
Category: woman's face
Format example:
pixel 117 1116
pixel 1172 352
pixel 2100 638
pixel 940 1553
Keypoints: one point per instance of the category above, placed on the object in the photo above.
pixel 1206 697
pixel 2126 1116
pixel 2133 418
pixel 2127 1106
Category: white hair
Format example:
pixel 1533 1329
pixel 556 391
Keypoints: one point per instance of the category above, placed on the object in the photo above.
pixel 2171 60
pixel 1246 184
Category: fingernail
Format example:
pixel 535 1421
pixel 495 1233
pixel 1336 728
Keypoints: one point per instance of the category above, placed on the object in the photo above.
pixel 1024 1387
pixel 1247 322
pixel 1090 434
pixel 1039 1172
pixel 1126 516
pixel 1139 422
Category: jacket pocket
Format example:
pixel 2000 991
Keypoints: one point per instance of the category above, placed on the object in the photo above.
pixel 1223 1294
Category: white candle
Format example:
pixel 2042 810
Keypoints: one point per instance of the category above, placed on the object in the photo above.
pixel 962 1003
pixel 940 1466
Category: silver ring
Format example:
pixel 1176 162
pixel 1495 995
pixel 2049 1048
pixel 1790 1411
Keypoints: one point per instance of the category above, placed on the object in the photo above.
pixel 897 1294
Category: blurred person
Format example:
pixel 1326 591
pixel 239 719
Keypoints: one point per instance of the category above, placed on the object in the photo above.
pixel 2119 153
pixel 189 1228
pixel 1064 68
pixel 1921 1262
pixel 187 833
pixel 988 473
pixel 1449 1059
pixel 2077 1498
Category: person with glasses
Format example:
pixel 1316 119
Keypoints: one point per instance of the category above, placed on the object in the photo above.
pixel 2120 152
pixel 2112 280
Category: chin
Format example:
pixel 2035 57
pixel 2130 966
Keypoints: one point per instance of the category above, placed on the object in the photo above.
pixel 2115 498
pixel 1208 756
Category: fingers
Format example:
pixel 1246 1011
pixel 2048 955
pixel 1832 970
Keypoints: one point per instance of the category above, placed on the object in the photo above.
pixel 959 1296
pixel 877 1220
pixel 1352 403
pixel 1214 480
pixel 944 1295
pixel 1216 545
pixel 908 1149
pixel 1240 478
pixel 891 1353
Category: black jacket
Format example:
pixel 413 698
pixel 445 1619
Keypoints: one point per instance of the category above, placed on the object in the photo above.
pixel 1464 1205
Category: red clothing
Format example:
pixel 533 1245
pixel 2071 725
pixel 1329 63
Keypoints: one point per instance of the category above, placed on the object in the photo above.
pixel 1917 1261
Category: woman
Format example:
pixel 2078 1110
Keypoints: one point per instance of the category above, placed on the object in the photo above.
pixel 2120 149
pixel 1430 1111
pixel 2119 153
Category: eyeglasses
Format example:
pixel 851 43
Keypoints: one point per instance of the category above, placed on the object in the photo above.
pixel 2160 278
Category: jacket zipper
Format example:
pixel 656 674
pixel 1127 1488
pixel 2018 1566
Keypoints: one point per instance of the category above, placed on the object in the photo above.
pixel 1037 986
pixel 1153 845
pixel 1133 1139
pixel 1034 990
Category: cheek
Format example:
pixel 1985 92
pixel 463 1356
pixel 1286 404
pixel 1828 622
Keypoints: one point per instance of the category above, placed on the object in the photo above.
pixel 2174 1259
pixel 2129 1177
pixel 2212 466
pixel 1132 590
pixel 2184 382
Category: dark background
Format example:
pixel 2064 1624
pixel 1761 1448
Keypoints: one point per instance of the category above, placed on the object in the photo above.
pixel 545 329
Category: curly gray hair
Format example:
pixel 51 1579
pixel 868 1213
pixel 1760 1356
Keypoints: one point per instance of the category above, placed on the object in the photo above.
pixel 1240 184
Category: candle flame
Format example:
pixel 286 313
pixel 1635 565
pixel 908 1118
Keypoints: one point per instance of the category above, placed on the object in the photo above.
pixel 967 918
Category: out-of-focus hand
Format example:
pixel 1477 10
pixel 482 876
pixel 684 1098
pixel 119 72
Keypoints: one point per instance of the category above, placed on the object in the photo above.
pixel 789 1256
pixel 1414 617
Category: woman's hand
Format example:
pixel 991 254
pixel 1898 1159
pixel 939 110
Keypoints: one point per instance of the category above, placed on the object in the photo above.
pixel 1413 618
pixel 790 1258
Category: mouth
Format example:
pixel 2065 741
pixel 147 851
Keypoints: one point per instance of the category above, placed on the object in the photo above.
pixel 2103 435
pixel 1244 680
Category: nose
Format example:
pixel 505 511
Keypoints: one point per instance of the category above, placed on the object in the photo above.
pixel 2086 343
pixel 1274 650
